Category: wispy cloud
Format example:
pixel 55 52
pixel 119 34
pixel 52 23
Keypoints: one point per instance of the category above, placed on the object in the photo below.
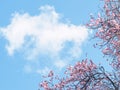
pixel 60 64
pixel 27 68
pixel 44 34
pixel 43 71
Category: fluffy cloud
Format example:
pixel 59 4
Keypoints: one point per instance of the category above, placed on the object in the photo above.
pixel 44 35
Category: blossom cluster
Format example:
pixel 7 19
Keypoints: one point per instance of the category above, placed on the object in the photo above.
pixel 107 26
pixel 84 75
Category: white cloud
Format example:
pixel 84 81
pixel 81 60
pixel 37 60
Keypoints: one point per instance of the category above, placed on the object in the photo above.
pixel 60 64
pixel 44 71
pixel 27 68
pixel 43 34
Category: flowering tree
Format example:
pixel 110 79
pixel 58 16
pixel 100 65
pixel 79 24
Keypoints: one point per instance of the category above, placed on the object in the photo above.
pixel 107 27
pixel 85 75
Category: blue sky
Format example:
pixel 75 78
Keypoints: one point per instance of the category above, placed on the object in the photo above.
pixel 39 35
